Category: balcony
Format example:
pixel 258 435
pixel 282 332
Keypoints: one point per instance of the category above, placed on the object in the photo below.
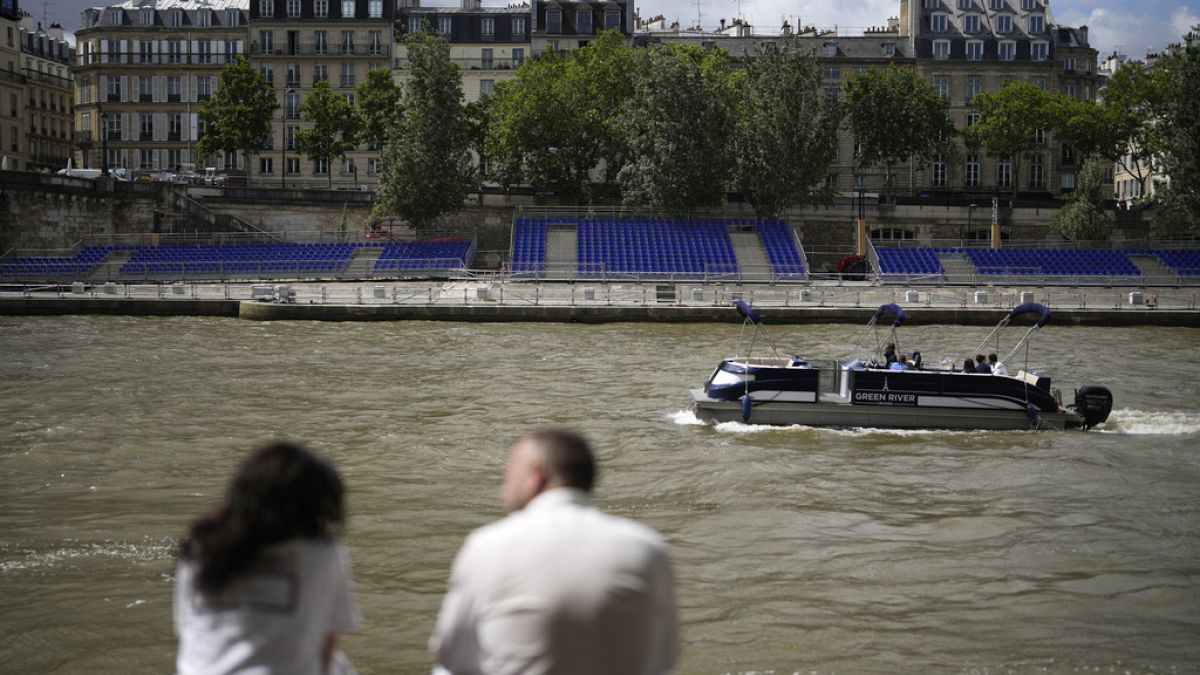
pixel 326 49
pixel 82 136
pixel 481 63
pixel 167 59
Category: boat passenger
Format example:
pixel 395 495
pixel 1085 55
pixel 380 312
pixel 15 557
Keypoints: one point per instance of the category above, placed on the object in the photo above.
pixel 916 361
pixel 981 365
pixel 889 354
pixel 968 366
pixel 997 365
pixel 900 364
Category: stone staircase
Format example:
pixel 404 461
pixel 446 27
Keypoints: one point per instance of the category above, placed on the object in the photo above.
pixel 1154 271
pixel 958 268
pixel 362 264
pixel 199 216
pixel 562 253
pixel 751 257
pixel 110 267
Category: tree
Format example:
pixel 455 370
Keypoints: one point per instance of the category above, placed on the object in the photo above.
pixel 556 121
pixel 1135 100
pixel 238 116
pixel 1083 218
pixel 379 109
pixel 677 130
pixel 1090 128
pixel 896 115
pixel 335 128
pixel 785 132
pixel 1008 122
pixel 1180 141
pixel 427 169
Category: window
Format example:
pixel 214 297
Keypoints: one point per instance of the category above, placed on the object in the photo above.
pixel 347 9
pixel 375 9
pixel 1040 83
pixel 293 165
pixel 971 23
pixel 1004 173
pixel 349 99
pixel 293 74
pixel 292 104
pixel 1028 5
pixel 176 16
pixel 938 23
pixel 146 16
pixel 85 91
pixel 233 17
pixel 174 88
pixel 347 75
pixel 114 91
pixel 612 20
pixel 320 166
pixel 290 140
pixel 232 47
pixel 174 158
pixel 204 17
pixel 1039 51
pixel 1036 23
pixel 293 9
pixel 1067 182
pixel 266 41
pixel 1006 50
pixel 964 4
pixel 1068 155
pixel 932 4
pixel 145 88
pixel 831 72
pixel 996 5
pixel 1039 136
pixel 939 171
pixel 266 8
pixel 974 50
pixel 554 21
pixel 1069 64
pixel 320 73
pixel 518 56
pixel 487 87
pixel 941 49
pixel 321 9
pixel 373 166
pixel 583 22
pixel 942 83
pixel 113 15
pixel 174 51
pixel 486 59
pixel 972 170
pixel 265 165
pixel 1037 178
pixel 444 25
pixel 518 26
pixel 1004 24
pixel 320 43
pixel 146 126
pixel 347 42
pixel 204 52
pixel 268 72
pixel 175 127
pixel 145 159
pixel 487 27
pixel 890 233
pixel 375 40
pixel 115 122
pixel 1069 89
pixel 974 86
pixel 889 49
pixel 972 118
pixel 414 24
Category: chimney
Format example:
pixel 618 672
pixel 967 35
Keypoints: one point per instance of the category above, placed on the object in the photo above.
pixel 787 28
pixel 56 31
pixel 722 23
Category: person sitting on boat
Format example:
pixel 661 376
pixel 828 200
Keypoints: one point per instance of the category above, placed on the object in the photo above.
pixel 916 361
pixel 981 365
pixel 968 366
pixel 997 365
pixel 899 364
pixel 889 354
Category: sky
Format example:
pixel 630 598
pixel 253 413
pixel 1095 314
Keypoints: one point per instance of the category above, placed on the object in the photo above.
pixel 1132 27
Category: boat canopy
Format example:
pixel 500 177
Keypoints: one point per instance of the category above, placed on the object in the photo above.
pixel 890 309
pixel 1031 308
pixel 748 312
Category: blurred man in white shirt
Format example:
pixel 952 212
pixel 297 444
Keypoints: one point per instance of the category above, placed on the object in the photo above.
pixel 557 586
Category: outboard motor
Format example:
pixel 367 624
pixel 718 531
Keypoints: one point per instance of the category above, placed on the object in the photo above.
pixel 1094 403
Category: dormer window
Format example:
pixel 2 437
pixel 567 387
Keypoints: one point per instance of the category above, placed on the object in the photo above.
pixel 375 9
pixel 554 21
pixel 414 24
pixel 1028 5
pixel 266 8
pixel 941 49
pixel 444 25
pixel 321 9
pixel 233 17
pixel 518 26
pixel 964 4
pixel 204 17
pixel 889 49
pixel 996 5
pixel 176 18
pixel 114 17
pixel 146 16
pixel 612 20
pixel 971 23
pixel 347 9
pixel 1037 23
pixel 583 22
pixel 830 49
pixel 1003 24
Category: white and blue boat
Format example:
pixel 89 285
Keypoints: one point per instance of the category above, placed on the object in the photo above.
pixel 860 391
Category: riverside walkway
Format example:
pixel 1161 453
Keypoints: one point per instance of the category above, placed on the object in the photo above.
pixel 500 299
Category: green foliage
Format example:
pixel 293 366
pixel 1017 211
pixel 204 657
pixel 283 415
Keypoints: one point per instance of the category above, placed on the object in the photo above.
pixel 1007 121
pixel 427 169
pixel 677 130
pixel 238 116
pixel 1180 138
pixel 1135 99
pixel 895 115
pixel 1083 218
pixel 335 127
pixel 1087 127
pixel 379 109
pixel 556 121
pixel 785 131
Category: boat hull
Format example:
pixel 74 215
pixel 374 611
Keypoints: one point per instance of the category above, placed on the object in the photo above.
pixel 827 413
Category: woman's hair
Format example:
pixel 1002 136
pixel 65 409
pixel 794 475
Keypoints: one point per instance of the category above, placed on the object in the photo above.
pixel 282 491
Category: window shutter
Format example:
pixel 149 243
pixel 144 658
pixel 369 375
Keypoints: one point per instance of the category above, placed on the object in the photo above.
pixel 125 88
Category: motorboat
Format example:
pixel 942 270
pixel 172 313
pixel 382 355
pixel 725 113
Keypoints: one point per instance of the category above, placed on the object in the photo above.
pixel 865 390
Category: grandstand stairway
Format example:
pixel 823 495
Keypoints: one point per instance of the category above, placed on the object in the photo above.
pixel 959 269
pixel 110 267
pixel 751 258
pixel 362 263
pixel 1154 270
pixel 562 254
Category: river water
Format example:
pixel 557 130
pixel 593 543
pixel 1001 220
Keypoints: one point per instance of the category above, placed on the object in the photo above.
pixel 796 549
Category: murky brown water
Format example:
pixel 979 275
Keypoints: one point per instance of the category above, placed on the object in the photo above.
pixel 797 550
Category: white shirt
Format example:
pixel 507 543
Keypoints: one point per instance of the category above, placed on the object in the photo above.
pixel 999 369
pixel 275 618
pixel 559 587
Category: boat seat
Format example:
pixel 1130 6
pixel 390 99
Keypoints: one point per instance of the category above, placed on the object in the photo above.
pixel 1036 379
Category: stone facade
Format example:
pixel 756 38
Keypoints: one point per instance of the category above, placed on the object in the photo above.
pixel 46 56
pixel 13 145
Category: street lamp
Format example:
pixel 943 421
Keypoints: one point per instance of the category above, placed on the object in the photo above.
pixel 287 97
pixel 103 143
pixel 970 213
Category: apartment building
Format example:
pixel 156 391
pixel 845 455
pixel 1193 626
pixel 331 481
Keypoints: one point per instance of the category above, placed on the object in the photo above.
pixel 46 59
pixel 143 67
pixel 12 89
pixel 297 43
pixel 564 24
pixel 488 43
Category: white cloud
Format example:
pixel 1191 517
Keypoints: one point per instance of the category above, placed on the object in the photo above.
pixel 1129 33
pixel 768 15
pixel 1184 20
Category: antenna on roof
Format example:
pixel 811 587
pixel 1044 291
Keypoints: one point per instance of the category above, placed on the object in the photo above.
pixel 699 17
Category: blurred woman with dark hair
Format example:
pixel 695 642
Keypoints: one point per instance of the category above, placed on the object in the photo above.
pixel 263 583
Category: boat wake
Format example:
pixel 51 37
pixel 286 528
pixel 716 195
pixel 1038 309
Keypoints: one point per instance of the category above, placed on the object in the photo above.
pixel 1151 423
pixel 688 418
